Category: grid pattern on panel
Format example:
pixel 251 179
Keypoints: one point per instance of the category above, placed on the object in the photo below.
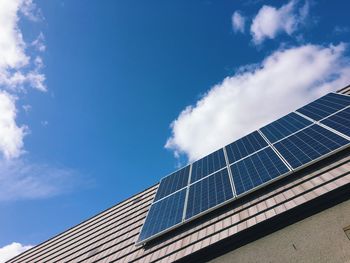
pixel 284 126
pixel 208 165
pixel 253 163
pixel 308 145
pixel 245 146
pixel 339 121
pixel 325 106
pixel 173 182
pixel 209 192
pixel 257 169
pixel 164 214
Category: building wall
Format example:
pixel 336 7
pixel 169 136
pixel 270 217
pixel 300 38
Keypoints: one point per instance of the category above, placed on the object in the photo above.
pixel 319 238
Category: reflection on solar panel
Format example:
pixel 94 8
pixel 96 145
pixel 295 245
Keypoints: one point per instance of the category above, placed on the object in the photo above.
pixel 245 146
pixel 288 144
pixel 173 182
pixel 284 127
pixel 308 145
pixel 164 214
pixel 209 192
pixel 256 170
pixel 325 106
pixel 339 121
pixel 208 165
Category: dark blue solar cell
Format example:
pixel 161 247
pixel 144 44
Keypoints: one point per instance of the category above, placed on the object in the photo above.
pixel 284 126
pixel 325 106
pixel 309 145
pixel 245 146
pixel 208 193
pixel 339 121
pixel 173 182
pixel 163 215
pixel 208 165
pixel 256 170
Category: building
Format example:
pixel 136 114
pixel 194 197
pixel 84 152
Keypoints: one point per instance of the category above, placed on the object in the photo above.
pixel 303 217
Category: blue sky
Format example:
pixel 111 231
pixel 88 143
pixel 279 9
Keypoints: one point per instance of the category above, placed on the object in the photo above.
pixel 100 102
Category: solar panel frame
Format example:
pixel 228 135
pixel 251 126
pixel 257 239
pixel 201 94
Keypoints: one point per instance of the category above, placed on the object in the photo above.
pixel 322 111
pixel 228 167
pixel 234 149
pixel 162 191
pixel 287 169
pixel 185 221
pixel 209 185
pixel 337 120
pixel 313 160
pixel 165 230
pixel 273 132
pixel 210 164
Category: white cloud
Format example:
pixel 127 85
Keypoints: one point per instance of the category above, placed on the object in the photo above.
pixel 11 135
pixel 16 67
pixel 17 72
pixel 271 21
pixel 21 179
pixel 38 43
pixel 9 251
pixel 238 22
pixel 12 45
pixel 256 95
pixel 21 67
pixel 27 108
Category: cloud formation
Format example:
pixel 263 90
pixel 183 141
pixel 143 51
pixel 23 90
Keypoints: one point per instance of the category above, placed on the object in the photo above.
pixel 18 72
pixel 17 68
pixel 21 179
pixel 238 22
pixel 271 21
pixel 9 251
pixel 11 135
pixel 21 66
pixel 256 95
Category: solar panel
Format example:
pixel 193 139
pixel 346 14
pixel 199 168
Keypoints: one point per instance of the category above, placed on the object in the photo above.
pixel 209 192
pixel 308 145
pixel 284 127
pixel 253 163
pixel 325 106
pixel 173 182
pixel 207 165
pixel 257 169
pixel 245 146
pixel 164 214
pixel 339 121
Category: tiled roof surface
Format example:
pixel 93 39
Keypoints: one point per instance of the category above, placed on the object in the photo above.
pixel 110 236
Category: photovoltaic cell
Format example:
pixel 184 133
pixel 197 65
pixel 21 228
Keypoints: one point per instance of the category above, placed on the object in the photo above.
pixel 257 169
pixel 325 106
pixel 208 165
pixel 163 215
pixel 339 121
pixel 284 126
pixel 308 145
pixel 245 146
pixel 209 192
pixel 173 182
pixel 253 163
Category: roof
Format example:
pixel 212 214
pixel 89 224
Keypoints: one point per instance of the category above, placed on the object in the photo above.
pixel 111 235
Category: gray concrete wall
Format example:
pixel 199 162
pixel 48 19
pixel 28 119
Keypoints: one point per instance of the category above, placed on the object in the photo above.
pixel 319 238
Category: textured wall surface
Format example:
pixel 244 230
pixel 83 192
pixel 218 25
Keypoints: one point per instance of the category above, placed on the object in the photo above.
pixel 319 238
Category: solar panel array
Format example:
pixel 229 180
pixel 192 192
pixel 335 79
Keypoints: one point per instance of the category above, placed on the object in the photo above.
pixel 288 144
